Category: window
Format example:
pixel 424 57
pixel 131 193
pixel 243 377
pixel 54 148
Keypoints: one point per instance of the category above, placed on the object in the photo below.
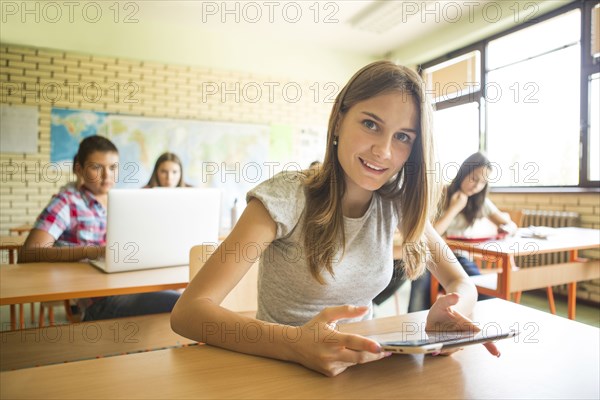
pixel 456 135
pixel 594 129
pixel 595 31
pixel 529 97
pixel 591 76
pixel 454 86
pixel 454 78
pixel 532 95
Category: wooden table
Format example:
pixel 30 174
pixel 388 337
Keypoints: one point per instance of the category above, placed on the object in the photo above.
pixel 12 244
pixel 552 358
pixel 511 279
pixel 36 282
pixel 87 340
pixel 21 229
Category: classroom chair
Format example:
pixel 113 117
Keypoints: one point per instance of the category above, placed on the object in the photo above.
pixel 49 305
pixel 243 298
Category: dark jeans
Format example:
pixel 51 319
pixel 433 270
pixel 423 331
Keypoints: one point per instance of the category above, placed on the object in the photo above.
pixel 131 305
pixel 420 289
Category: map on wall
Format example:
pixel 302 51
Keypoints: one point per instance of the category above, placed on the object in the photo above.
pixel 69 127
pixel 232 157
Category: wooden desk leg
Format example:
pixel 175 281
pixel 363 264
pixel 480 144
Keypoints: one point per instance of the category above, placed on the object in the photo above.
pixel 550 295
pixel 13 317
pixel 22 316
pixel 572 302
pixel 11 256
pixel 506 263
pixel 572 288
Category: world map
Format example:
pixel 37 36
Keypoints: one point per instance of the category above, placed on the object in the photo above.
pixel 69 127
pixel 230 156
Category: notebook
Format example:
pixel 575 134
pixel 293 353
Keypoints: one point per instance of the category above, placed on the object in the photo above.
pixel 153 228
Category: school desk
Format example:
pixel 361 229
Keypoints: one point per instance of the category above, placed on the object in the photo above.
pixel 21 229
pixel 38 282
pixel 553 357
pixel 512 279
pixel 12 244
pixel 33 347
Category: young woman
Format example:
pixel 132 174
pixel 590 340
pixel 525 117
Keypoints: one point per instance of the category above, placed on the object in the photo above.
pixel 168 172
pixel 73 227
pixel 465 200
pixel 325 240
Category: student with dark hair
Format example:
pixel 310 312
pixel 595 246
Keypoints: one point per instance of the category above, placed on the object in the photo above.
pixel 325 240
pixel 72 227
pixel 465 200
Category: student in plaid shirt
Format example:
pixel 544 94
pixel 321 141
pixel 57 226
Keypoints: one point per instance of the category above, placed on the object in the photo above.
pixel 73 227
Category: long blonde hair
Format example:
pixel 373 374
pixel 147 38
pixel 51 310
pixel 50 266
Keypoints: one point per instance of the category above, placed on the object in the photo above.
pixel 413 187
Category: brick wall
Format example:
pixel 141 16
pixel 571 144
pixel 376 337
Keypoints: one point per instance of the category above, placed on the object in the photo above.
pixel 53 78
pixel 587 205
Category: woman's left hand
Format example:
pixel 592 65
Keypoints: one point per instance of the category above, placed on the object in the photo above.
pixel 442 317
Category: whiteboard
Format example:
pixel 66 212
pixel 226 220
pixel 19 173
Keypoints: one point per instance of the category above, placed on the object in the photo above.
pixel 18 129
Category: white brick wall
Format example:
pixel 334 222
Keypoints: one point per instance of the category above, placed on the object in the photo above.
pixel 31 76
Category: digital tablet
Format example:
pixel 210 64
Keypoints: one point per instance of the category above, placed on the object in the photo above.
pixel 436 341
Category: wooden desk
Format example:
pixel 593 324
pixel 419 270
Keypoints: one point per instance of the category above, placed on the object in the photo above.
pixel 37 282
pixel 543 362
pixel 87 340
pixel 21 229
pixel 12 244
pixel 512 279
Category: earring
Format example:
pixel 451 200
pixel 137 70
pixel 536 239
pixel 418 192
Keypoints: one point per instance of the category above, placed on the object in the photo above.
pixel 335 141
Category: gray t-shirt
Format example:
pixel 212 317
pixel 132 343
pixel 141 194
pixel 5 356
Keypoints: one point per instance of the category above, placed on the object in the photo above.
pixel 287 292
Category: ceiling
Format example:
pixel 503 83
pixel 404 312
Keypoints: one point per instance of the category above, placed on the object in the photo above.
pixel 368 27
pixel 302 38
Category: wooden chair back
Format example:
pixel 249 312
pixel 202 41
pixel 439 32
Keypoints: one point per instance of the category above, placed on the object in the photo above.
pixel 243 298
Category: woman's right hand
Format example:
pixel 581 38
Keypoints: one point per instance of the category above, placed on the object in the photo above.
pixel 458 201
pixel 323 348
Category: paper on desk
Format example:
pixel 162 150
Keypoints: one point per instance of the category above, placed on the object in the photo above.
pixel 537 232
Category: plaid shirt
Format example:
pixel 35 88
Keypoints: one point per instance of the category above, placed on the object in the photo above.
pixel 74 218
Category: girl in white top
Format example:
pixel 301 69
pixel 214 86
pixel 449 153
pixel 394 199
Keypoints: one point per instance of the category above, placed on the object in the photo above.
pixel 325 239
pixel 466 200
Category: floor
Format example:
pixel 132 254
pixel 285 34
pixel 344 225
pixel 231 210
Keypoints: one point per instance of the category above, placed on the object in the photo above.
pixel 587 314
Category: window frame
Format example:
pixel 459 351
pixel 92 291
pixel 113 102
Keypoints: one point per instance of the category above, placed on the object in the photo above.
pixel 588 68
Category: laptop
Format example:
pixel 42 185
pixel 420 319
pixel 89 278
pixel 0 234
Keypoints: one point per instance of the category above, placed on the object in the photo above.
pixel 154 228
